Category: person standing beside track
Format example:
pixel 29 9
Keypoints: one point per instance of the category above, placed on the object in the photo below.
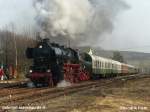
pixel 1 73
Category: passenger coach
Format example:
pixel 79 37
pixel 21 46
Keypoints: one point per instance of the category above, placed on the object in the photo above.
pixel 103 67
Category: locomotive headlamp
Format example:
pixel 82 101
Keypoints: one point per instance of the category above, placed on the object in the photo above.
pixel 40 46
pixel 48 70
pixel 30 71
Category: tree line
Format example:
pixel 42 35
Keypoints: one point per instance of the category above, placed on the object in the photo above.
pixel 12 50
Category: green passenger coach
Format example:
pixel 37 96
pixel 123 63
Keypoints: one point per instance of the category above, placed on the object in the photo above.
pixel 103 67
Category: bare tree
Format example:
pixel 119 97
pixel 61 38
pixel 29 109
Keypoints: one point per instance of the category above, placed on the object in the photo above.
pixel 117 56
pixel 13 46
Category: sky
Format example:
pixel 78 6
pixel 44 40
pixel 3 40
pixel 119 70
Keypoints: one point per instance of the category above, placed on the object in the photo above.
pixel 18 12
pixel 131 30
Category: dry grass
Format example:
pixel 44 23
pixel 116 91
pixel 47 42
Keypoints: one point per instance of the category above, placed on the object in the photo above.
pixel 122 98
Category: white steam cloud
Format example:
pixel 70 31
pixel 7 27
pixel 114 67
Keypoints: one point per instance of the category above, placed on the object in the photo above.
pixel 76 19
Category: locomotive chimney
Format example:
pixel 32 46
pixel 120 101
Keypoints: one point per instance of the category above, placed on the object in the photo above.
pixel 46 40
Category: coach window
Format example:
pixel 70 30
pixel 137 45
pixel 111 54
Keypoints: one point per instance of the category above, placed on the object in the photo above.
pixel 106 65
pixel 100 64
pixel 103 64
pixel 96 64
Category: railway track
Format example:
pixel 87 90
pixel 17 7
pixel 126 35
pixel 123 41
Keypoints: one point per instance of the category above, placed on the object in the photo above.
pixel 39 93
pixel 25 96
pixel 16 91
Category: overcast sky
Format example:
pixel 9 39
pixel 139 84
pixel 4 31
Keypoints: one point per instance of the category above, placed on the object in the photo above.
pixel 131 32
pixel 19 12
pixel 132 28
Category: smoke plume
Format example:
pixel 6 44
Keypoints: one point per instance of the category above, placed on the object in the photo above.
pixel 81 21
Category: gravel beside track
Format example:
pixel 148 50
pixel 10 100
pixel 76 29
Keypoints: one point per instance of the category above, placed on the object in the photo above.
pixel 13 83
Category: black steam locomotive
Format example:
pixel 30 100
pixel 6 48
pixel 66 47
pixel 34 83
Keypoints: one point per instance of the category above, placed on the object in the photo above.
pixel 48 62
pixel 53 63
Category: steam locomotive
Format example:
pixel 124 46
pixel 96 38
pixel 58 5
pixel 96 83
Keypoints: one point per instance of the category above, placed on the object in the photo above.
pixel 50 62
pixel 53 63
